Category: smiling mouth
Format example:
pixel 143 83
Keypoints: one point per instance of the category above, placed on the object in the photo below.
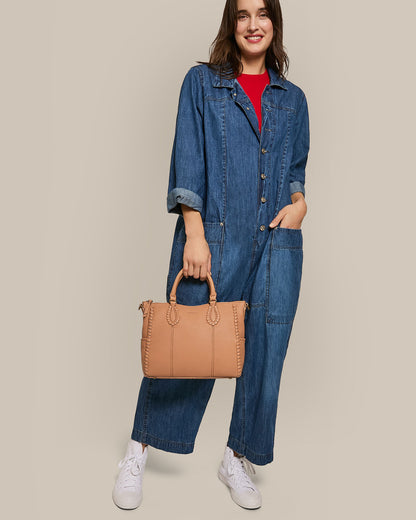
pixel 253 38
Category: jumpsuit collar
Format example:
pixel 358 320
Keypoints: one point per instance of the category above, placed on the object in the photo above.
pixel 241 98
pixel 275 80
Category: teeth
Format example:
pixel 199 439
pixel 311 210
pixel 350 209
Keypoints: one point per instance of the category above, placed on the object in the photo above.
pixel 253 37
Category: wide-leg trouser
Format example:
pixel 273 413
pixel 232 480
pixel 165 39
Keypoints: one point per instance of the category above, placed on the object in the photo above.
pixel 169 411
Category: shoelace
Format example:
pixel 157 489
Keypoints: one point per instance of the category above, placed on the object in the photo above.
pixel 131 468
pixel 242 467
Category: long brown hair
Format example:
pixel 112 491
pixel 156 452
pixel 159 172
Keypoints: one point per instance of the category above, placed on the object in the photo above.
pixel 225 55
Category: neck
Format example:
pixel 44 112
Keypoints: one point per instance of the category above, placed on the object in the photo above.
pixel 254 65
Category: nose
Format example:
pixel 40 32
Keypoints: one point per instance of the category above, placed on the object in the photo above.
pixel 252 24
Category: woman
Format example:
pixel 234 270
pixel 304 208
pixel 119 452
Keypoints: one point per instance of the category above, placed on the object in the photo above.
pixel 236 182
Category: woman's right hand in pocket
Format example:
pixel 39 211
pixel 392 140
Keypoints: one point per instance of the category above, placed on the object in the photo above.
pixel 196 258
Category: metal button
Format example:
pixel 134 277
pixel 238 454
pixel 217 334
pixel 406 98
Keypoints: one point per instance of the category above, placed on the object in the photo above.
pixel 234 94
pixel 248 108
pixel 263 150
pixel 263 176
pixel 221 223
pixel 262 227
pixel 263 199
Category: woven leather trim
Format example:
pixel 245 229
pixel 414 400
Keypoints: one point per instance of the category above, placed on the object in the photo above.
pixel 149 333
pixel 213 309
pixel 175 320
pixel 237 337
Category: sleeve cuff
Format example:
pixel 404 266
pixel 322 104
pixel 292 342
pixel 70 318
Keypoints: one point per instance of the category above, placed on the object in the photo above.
pixel 297 186
pixel 179 196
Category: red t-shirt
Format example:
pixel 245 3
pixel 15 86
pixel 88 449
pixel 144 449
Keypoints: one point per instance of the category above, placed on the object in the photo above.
pixel 253 85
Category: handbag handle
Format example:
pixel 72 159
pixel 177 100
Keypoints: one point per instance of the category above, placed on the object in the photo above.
pixel 209 280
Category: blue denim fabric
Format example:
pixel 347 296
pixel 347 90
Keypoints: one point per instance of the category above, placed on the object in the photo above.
pixel 238 179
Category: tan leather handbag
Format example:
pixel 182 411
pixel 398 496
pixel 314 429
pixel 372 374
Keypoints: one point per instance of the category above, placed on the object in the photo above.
pixel 193 341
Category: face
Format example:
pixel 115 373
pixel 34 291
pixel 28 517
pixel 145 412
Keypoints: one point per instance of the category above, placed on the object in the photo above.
pixel 253 20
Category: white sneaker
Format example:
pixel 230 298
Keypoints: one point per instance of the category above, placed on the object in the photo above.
pixel 233 473
pixel 127 491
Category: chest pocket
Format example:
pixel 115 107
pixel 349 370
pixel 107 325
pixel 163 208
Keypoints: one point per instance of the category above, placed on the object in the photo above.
pixel 278 123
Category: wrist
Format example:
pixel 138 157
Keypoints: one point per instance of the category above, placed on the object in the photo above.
pixel 194 227
pixel 297 197
pixel 195 234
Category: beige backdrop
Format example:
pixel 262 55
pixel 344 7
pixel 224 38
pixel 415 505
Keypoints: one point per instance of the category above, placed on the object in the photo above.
pixel 88 106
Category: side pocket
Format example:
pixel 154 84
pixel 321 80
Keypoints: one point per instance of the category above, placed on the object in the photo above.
pixel 284 275
pixel 214 235
pixel 176 254
pixel 193 291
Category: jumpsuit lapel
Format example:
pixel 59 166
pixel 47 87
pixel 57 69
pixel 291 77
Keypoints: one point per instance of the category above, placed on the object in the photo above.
pixel 244 102
pixel 241 99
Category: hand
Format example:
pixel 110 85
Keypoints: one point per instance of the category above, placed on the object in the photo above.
pixel 291 216
pixel 196 258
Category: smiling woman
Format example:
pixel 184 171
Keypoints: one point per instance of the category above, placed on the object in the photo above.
pixel 254 31
pixel 243 19
pixel 236 185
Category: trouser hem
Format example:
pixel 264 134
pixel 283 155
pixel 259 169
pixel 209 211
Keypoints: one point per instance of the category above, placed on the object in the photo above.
pixel 162 444
pixel 260 459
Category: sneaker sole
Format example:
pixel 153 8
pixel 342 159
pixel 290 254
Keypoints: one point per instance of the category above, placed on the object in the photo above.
pixel 128 508
pixel 230 489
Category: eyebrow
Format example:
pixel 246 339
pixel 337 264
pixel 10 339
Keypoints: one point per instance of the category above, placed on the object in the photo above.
pixel 245 10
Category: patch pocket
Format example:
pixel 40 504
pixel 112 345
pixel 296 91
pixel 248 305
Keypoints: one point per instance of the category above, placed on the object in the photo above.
pixel 284 274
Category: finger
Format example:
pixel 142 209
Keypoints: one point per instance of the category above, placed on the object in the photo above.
pixel 209 265
pixel 275 221
pixel 185 268
pixel 203 271
pixel 196 271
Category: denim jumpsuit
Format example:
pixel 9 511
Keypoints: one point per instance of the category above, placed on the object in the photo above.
pixel 238 179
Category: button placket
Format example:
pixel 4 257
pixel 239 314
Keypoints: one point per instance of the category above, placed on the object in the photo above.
pixel 263 160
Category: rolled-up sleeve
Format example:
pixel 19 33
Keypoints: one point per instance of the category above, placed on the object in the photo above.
pixel 187 167
pixel 300 147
